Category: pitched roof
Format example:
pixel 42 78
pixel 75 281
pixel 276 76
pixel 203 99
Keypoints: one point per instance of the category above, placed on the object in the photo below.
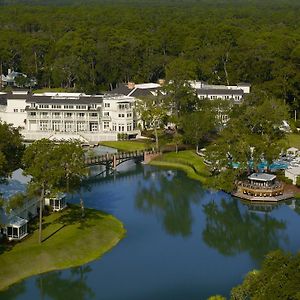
pixel 262 177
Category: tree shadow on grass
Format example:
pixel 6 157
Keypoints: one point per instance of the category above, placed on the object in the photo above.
pixel 5 246
pixel 53 233
pixel 73 215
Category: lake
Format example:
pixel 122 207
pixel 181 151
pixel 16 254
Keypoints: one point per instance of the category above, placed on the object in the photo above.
pixel 183 241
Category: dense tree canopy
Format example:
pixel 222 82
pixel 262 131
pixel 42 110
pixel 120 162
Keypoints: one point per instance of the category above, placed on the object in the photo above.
pixel 279 278
pixel 11 149
pixel 94 46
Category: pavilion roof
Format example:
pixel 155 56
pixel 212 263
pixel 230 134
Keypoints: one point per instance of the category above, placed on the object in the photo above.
pixel 262 177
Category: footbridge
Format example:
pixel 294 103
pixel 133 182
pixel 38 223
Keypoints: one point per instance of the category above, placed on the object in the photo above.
pixel 112 160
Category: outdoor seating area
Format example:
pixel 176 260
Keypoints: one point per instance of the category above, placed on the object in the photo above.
pixel 261 187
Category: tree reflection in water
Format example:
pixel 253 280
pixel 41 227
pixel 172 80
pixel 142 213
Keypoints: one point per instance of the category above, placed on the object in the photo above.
pixel 169 197
pixel 57 286
pixel 232 231
pixel 14 291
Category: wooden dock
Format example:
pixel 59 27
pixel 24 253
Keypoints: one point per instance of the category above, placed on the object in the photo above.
pixel 262 199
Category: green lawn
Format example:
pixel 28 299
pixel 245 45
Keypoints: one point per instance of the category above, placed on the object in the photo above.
pixel 129 145
pixel 68 241
pixel 187 161
pixel 294 140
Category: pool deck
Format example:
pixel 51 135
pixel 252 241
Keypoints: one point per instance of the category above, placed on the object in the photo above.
pixel 284 196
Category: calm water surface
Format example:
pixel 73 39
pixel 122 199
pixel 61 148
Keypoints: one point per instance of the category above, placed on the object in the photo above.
pixel 183 242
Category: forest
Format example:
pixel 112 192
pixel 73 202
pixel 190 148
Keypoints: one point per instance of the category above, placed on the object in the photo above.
pixel 93 47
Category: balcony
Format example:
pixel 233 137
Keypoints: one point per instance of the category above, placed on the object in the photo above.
pixel 106 118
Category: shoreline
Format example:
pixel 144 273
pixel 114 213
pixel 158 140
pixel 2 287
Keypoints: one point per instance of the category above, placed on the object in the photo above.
pixel 73 244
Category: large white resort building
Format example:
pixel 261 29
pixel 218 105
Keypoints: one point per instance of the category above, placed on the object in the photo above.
pixel 93 118
pixel 90 118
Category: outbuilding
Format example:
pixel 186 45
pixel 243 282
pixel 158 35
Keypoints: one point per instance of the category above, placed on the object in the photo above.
pixel 292 173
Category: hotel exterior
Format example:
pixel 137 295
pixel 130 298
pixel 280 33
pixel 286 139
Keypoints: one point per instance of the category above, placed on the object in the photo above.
pixel 52 115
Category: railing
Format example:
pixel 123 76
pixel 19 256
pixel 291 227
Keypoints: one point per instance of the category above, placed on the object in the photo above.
pixel 110 157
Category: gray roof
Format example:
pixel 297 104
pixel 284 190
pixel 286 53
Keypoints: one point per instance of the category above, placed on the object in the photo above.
pixel 53 100
pixel 219 92
pixel 121 89
pixel 262 177
pixel 135 92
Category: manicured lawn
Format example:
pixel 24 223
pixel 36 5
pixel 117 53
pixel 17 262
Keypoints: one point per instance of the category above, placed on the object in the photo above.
pixel 68 241
pixel 187 161
pixel 294 140
pixel 128 145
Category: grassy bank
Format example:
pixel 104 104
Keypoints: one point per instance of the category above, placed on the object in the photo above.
pixel 187 161
pixel 294 140
pixel 128 145
pixel 68 241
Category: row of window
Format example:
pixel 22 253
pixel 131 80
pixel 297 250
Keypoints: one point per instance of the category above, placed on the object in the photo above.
pixel 82 126
pixel 129 115
pixel 125 106
pixel 68 126
pixel 17 110
pixel 58 106
pixel 66 115
pixel 219 97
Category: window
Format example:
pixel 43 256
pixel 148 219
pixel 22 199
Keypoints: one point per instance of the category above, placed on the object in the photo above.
pixel 106 104
pixel 106 113
pixel 114 127
pixel 124 106
pixel 81 126
pixel 56 115
pixel 121 127
pixel 105 125
pixel 44 114
pixel 44 125
pixel 94 115
pixel 81 115
pixel 68 126
pixel 94 127
pixel 22 110
pixel 68 115
pixel 129 115
pixel 33 114
pixel 16 110
pixel 80 106
pixel 68 106
pixel 129 127
pixel 43 106
pixel 121 115
pixel 56 106
pixel 56 125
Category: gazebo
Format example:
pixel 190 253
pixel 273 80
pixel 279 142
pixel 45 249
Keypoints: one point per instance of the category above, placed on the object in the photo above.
pixel 16 228
pixel 261 187
pixel 57 203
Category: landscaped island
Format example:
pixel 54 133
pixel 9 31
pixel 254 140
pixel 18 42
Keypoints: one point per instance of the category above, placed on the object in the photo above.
pixel 68 241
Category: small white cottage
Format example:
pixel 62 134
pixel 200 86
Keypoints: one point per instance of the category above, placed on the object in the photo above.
pixel 57 203
pixel 14 222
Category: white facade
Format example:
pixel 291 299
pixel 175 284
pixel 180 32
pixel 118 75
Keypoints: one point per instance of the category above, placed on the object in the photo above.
pixel 293 174
pixel 14 110
pixel 92 117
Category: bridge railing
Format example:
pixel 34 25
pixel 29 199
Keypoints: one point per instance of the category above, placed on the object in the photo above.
pixel 118 156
